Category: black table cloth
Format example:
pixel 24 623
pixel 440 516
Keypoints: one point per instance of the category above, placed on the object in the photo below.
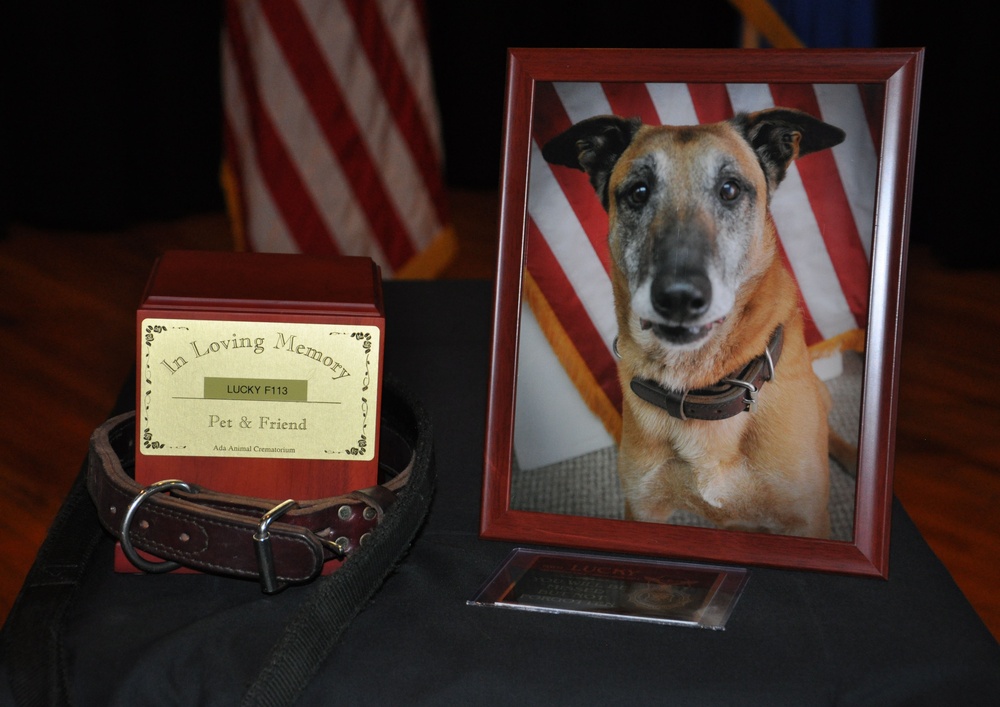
pixel 795 638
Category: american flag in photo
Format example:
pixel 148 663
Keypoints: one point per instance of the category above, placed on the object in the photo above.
pixel 822 211
pixel 332 135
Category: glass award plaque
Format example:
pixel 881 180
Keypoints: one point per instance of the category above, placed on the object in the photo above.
pixel 683 594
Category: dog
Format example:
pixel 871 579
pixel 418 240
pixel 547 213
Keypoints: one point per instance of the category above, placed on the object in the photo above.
pixel 722 414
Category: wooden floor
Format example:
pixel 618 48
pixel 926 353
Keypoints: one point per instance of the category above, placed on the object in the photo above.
pixel 67 305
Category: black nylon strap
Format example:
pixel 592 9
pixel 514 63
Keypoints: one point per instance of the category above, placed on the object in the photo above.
pixel 317 626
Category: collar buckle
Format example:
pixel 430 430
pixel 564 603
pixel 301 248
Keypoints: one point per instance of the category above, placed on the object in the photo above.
pixel 751 397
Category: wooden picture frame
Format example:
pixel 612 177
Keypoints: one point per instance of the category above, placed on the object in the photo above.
pixel 889 80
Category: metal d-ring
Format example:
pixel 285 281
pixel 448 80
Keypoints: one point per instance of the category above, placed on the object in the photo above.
pixel 126 542
pixel 262 543
pixel 770 364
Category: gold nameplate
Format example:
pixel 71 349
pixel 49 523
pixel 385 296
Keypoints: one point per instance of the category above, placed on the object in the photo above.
pixel 258 389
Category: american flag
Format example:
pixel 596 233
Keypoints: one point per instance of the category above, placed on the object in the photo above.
pixel 332 138
pixel 823 213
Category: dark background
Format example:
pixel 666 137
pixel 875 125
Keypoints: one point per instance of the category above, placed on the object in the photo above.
pixel 110 114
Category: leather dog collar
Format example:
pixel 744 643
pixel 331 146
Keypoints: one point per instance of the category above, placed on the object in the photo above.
pixel 727 398
pixel 279 543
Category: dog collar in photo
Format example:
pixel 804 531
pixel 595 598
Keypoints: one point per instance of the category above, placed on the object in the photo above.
pixel 727 398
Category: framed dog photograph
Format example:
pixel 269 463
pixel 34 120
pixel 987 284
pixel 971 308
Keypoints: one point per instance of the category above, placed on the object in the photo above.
pixel 698 303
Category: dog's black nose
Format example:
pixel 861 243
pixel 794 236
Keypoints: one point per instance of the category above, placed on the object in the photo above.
pixel 681 299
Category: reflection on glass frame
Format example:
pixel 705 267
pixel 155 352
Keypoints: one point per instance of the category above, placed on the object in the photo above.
pixel 633 261
pixel 601 586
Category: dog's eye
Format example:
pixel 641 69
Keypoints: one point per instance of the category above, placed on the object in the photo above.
pixel 638 194
pixel 729 190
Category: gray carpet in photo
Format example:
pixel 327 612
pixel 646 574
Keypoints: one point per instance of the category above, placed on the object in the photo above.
pixel 588 485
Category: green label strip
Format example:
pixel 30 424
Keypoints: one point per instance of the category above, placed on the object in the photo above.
pixel 256 389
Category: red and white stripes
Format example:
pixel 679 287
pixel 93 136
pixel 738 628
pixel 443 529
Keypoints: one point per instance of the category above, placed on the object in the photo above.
pixel 331 128
pixel 823 210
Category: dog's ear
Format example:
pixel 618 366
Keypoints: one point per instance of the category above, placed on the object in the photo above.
pixel 593 146
pixel 780 135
